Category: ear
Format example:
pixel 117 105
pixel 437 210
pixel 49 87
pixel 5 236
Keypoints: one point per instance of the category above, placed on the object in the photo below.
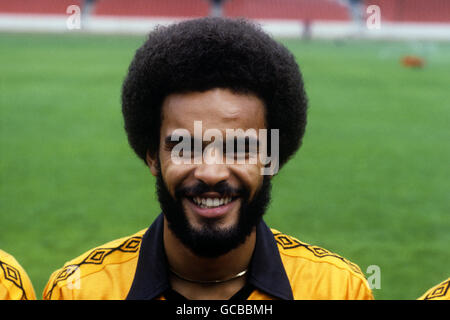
pixel 152 162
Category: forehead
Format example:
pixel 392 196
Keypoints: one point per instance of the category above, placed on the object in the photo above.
pixel 217 109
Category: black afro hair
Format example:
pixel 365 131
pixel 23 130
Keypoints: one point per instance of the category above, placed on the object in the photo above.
pixel 206 53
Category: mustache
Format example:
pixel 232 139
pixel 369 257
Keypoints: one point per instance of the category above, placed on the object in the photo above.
pixel 222 188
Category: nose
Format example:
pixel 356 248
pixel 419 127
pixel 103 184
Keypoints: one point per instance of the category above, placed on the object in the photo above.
pixel 212 174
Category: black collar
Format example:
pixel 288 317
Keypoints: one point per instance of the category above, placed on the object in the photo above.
pixel 151 278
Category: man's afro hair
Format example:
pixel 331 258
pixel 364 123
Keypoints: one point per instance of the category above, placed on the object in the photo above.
pixel 206 53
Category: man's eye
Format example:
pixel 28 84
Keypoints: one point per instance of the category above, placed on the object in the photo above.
pixel 241 149
pixel 169 146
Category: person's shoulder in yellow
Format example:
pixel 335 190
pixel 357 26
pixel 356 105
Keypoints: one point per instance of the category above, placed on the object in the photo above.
pixel 318 274
pixel 107 272
pixel 14 281
pixel 103 273
pixel 438 292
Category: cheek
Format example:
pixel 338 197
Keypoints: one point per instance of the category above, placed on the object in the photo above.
pixel 250 176
pixel 174 174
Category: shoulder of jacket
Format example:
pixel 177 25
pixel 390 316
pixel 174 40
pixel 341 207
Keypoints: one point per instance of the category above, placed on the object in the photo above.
pixel 115 252
pixel 440 291
pixel 292 250
pixel 14 278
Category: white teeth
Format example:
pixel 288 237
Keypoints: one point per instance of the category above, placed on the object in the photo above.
pixel 211 202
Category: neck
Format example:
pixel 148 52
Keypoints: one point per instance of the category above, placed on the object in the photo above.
pixel 190 266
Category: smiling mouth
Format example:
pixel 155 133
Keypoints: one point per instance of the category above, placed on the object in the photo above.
pixel 212 202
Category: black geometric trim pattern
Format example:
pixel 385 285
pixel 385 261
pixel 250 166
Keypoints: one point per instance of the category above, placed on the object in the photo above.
pixel 131 245
pixel 13 275
pixel 97 256
pixel 288 242
pixel 438 292
pixel 67 272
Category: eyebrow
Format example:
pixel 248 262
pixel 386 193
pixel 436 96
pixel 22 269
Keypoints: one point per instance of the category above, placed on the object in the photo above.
pixel 174 139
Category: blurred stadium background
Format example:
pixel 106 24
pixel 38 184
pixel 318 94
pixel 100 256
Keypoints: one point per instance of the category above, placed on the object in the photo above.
pixel 310 18
pixel 370 183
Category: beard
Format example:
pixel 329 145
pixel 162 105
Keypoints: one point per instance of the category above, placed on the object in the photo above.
pixel 211 241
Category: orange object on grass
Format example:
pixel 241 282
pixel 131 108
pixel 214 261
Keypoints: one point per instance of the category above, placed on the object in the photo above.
pixel 412 61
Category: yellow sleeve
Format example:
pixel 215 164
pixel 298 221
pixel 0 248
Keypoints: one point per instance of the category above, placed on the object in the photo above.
pixel 314 279
pixel 14 281
pixel 438 292
pixel 359 289
pixel 318 274
pixel 103 273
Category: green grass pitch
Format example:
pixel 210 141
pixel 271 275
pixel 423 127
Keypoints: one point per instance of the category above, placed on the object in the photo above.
pixel 371 181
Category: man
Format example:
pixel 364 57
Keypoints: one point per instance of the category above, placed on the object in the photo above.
pixel 14 281
pixel 192 84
